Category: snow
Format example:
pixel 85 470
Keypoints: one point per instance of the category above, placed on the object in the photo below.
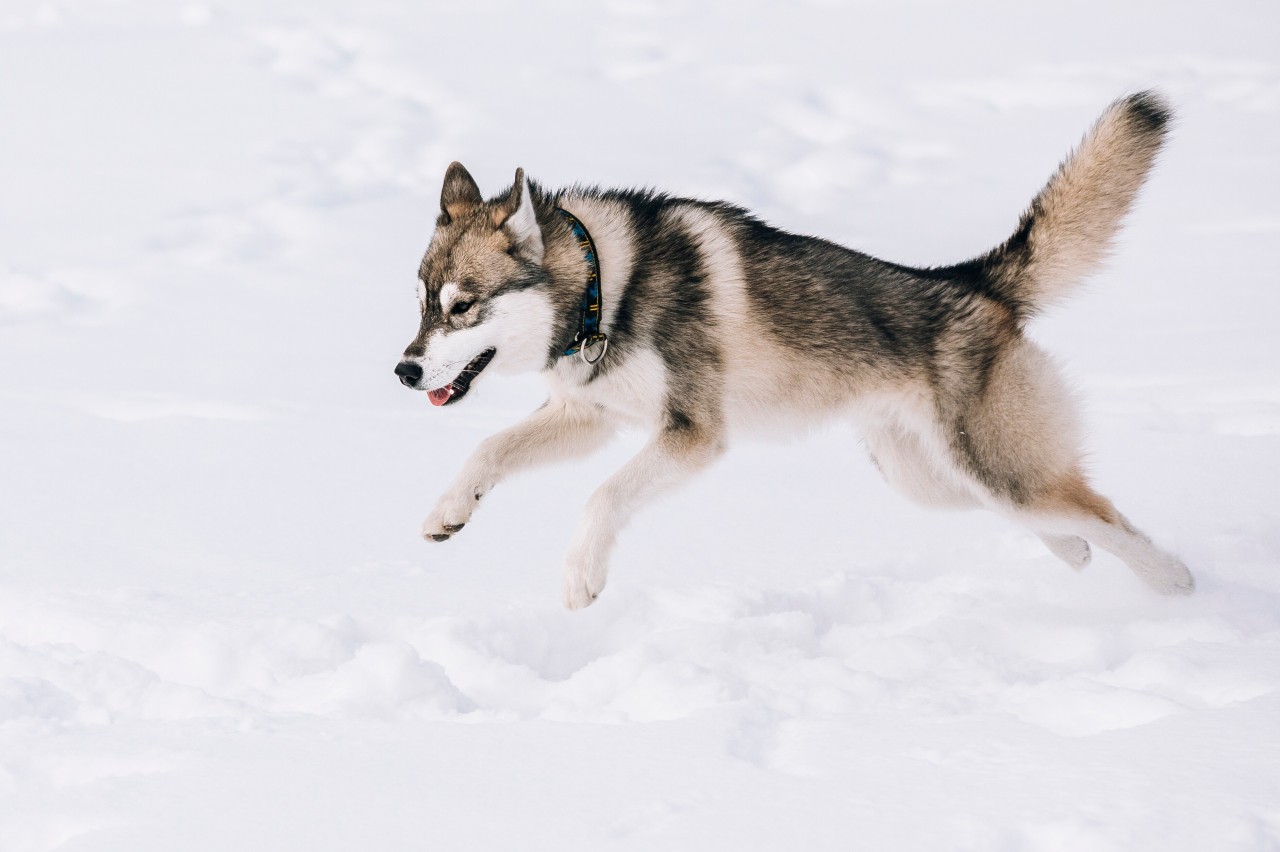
pixel 218 629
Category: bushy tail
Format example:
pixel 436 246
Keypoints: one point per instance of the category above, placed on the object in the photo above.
pixel 1068 230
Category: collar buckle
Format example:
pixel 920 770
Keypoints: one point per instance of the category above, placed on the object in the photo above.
pixel 587 345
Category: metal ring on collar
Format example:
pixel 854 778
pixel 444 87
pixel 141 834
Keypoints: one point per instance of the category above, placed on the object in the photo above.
pixel 603 349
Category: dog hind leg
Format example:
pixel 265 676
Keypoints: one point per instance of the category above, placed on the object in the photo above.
pixel 904 459
pixel 906 464
pixel 1073 508
pixel 1018 443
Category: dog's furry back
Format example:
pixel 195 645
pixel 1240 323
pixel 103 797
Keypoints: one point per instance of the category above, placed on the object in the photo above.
pixel 1068 230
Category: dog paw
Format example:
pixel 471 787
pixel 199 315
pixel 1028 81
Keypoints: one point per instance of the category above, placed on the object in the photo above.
pixel 583 583
pixel 1175 579
pixel 1164 573
pixel 450 515
pixel 1071 549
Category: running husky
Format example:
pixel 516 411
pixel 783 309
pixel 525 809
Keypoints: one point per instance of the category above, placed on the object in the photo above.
pixel 694 319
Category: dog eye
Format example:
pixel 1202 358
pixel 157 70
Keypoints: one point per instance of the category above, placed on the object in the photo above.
pixel 460 308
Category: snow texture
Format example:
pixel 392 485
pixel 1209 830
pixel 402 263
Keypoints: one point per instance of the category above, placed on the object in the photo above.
pixel 218 629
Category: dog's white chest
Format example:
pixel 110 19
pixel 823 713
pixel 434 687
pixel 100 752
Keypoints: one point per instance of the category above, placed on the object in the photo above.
pixel 634 390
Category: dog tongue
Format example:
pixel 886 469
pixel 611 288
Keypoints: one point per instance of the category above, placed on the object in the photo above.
pixel 440 396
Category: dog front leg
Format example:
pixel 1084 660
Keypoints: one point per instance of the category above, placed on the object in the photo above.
pixel 557 431
pixel 672 456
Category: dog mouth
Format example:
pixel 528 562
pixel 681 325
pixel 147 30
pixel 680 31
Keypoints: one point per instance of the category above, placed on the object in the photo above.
pixel 458 388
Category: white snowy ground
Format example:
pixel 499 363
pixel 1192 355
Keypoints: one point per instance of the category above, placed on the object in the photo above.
pixel 218 629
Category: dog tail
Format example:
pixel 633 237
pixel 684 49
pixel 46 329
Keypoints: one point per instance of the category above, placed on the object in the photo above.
pixel 1068 230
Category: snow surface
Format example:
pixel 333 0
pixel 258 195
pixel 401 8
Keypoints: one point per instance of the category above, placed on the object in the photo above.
pixel 218 629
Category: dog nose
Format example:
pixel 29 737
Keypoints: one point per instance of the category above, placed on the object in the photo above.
pixel 409 373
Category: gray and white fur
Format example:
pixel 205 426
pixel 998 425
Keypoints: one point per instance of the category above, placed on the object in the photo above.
pixel 718 323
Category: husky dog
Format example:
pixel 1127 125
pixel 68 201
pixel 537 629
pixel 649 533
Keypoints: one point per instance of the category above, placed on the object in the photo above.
pixel 693 319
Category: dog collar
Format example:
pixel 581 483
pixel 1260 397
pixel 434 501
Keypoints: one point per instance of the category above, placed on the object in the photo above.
pixel 589 334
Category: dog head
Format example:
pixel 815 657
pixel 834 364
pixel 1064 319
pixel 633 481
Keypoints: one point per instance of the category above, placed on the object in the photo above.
pixel 482 291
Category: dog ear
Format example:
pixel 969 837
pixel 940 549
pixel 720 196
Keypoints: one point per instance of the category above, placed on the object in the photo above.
pixel 459 195
pixel 516 213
